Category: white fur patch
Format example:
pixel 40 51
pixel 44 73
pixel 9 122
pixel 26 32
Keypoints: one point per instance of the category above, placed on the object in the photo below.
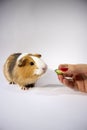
pixel 40 65
pixel 21 56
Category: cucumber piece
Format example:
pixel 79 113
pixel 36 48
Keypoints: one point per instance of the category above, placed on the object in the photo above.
pixel 59 72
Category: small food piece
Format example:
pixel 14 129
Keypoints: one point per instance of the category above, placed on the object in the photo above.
pixel 59 72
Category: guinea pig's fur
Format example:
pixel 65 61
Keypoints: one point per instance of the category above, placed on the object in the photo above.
pixel 24 69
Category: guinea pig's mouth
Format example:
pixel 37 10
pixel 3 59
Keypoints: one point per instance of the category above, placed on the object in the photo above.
pixel 44 69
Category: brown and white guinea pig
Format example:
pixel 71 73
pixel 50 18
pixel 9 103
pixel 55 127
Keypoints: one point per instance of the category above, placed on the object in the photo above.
pixel 24 69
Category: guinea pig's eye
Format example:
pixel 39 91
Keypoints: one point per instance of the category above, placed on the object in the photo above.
pixel 31 63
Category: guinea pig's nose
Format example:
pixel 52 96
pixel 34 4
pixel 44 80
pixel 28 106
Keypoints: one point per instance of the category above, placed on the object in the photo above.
pixel 44 68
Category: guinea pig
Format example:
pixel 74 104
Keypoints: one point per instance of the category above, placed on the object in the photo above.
pixel 24 69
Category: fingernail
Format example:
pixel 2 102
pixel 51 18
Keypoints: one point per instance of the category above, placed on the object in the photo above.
pixel 64 69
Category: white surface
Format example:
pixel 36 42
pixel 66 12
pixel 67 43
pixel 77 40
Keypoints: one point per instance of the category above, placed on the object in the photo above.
pixel 57 30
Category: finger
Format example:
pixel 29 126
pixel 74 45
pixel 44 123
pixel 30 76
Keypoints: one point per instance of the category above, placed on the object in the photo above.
pixel 85 82
pixel 80 85
pixel 68 83
pixel 68 75
pixel 85 85
pixel 67 69
pixel 60 77
pixel 63 66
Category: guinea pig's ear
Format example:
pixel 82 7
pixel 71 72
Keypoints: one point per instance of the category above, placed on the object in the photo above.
pixel 37 55
pixel 22 62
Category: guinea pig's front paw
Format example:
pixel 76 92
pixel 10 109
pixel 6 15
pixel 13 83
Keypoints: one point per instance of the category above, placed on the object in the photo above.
pixel 12 82
pixel 26 87
pixel 30 85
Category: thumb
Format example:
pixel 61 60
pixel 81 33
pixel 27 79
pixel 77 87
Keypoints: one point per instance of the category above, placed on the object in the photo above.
pixel 67 69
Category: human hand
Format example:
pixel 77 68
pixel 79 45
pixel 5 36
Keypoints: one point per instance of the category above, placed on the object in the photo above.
pixel 74 76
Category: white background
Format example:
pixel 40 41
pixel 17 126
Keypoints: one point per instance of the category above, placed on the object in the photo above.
pixel 58 31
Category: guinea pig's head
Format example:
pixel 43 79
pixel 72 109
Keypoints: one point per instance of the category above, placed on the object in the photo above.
pixel 31 65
